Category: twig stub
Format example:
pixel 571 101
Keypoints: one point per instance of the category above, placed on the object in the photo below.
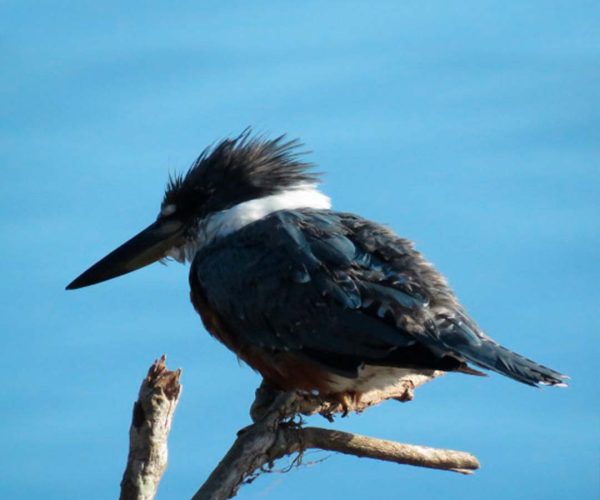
pixel 150 426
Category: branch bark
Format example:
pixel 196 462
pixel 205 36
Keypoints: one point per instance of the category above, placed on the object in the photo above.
pixel 274 434
pixel 254 447
pixel 381 449
pixel 151 422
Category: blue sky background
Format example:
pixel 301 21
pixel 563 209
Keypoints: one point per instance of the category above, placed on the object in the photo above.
pixel 470 127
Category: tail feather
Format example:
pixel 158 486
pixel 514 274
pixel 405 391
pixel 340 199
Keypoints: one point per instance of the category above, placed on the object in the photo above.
pixel 495 357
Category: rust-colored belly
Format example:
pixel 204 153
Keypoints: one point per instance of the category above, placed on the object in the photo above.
pixel 284 370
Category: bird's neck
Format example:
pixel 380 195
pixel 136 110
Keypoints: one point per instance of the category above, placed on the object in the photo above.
pixel 225 222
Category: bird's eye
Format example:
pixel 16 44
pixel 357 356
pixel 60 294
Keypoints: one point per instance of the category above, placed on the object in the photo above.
pixel 168 210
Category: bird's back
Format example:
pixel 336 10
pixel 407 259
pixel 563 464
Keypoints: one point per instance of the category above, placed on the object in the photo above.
pixel 311 297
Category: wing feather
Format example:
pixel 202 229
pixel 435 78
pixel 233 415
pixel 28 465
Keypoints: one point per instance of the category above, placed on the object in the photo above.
pixel 345 291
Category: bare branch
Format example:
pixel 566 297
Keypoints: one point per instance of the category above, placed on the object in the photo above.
pixel 381 449
pixel 252 449
pixel 150 426
pixel 275 435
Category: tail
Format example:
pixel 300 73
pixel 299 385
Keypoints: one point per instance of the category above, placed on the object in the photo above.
pixel 488 354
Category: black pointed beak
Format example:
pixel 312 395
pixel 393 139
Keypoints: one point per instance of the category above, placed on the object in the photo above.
pixel 144 248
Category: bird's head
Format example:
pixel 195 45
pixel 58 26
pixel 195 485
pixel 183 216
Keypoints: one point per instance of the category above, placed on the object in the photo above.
pixel 229 186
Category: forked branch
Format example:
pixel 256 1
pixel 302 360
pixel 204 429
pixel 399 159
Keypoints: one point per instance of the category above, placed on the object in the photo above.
pixel 275 434
pixel 277 431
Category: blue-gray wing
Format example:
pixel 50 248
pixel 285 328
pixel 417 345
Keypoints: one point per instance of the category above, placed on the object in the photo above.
pixel 343 291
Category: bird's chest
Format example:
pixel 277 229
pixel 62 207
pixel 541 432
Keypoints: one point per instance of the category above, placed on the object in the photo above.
pixel 211 319
pixel 281 369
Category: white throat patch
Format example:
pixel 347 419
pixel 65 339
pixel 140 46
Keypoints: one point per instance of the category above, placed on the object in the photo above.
pixel 228 221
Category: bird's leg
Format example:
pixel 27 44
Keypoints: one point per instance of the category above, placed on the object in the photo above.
pixel 348 401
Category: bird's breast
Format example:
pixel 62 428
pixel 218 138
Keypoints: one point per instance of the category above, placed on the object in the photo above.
pixel 291 371
pixel 282 369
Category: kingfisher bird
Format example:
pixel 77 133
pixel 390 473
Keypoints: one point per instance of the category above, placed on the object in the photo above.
pixel 313 299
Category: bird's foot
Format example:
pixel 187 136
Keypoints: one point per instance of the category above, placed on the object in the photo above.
pixel 345 401
pixel 408 394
